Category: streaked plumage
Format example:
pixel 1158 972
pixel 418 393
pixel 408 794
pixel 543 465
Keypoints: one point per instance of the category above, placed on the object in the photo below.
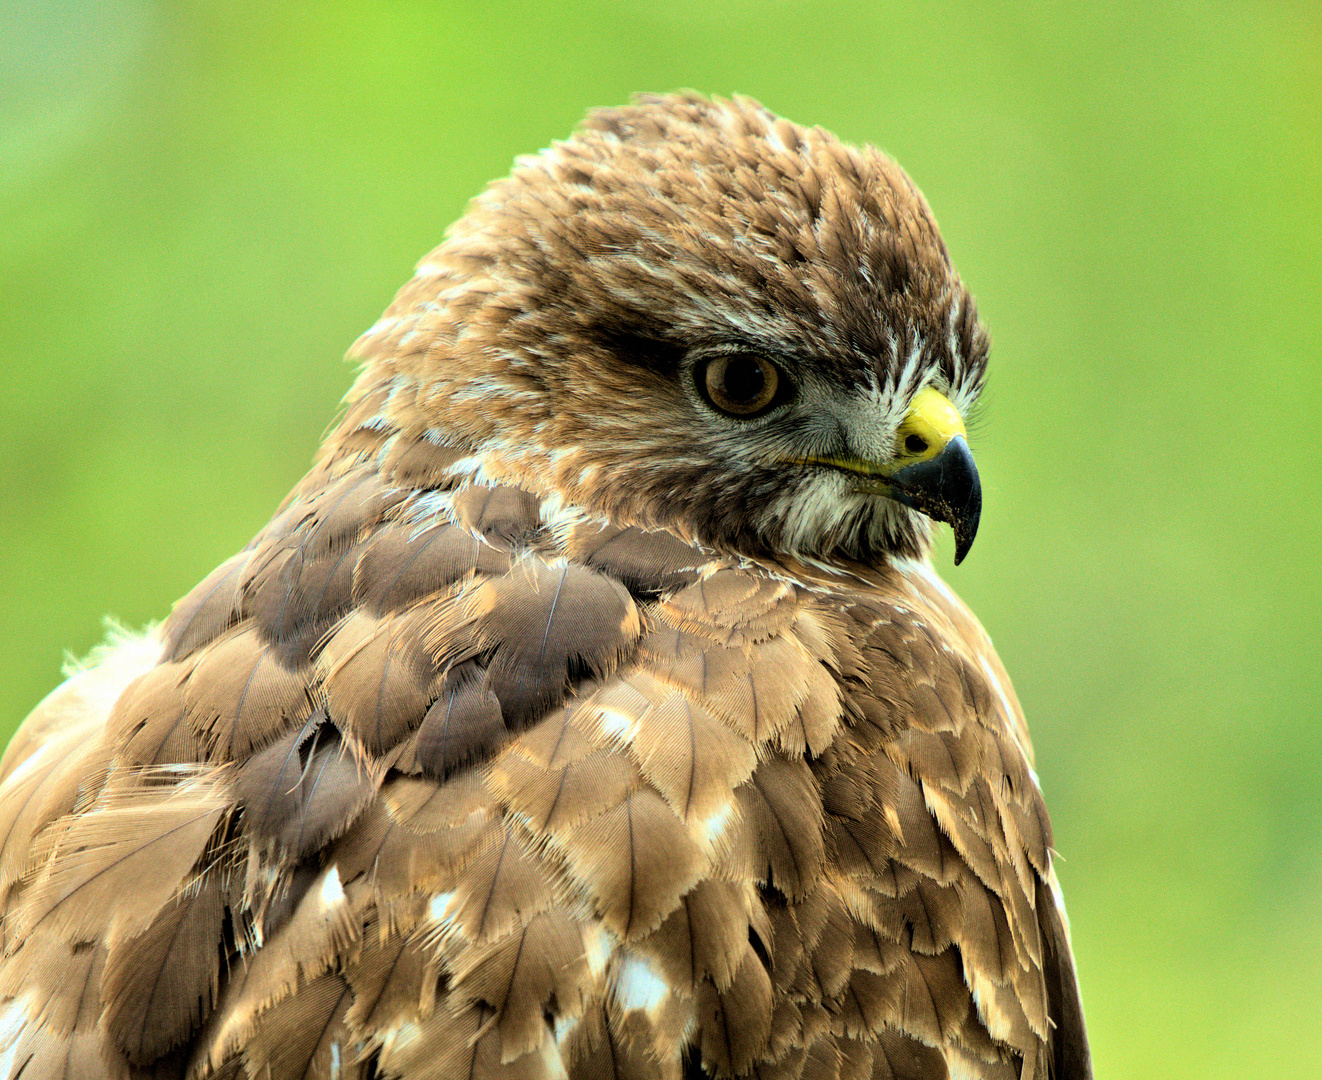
pixel 591 707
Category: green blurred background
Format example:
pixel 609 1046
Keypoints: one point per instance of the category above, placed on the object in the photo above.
pixel 203 205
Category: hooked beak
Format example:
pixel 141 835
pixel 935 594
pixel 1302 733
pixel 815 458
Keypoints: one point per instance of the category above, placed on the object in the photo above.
pixel 932 469
pixel 946 488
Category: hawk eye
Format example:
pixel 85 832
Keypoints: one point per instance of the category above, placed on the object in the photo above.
pixel 739 384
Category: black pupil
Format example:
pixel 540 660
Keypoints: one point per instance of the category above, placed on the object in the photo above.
pixel 743 380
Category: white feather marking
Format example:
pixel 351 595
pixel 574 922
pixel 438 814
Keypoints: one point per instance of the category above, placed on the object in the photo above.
pixel 561 518
pixel 870 417
pixel 810 514
pixel 921 568
pixel 952 337
pixel 598 945
pixel 1000 694
pixel 473 464
pixel 14 1019
pixel 123 656
pixel 563 1028
pixel 430 507
pixel 438 909
pixel 616 725
pixel 1056 894
pixel 553 1065
pixel 909 373
pixel 100 677
pixel 332 890
pixel 713 829
pixel 400 1036
pixel 638 986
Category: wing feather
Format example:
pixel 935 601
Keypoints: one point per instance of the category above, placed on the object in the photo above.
pixel 124 858
pixel 434 799
pixel 160 984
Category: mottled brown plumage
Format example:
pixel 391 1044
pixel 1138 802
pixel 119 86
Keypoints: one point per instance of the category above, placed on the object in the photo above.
pixel 590 709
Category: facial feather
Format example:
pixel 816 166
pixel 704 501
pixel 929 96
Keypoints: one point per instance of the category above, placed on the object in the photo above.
pixel 566 317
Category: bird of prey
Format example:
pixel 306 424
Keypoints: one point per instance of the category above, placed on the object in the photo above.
pixel 591 709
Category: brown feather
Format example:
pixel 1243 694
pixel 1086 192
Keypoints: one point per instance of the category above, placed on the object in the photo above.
pixel 736 1022
pixel 59 981
pixel 394 979
pixel 151 721
pixel 336 515
pixel 832 955
pixel 159 985
pixel 556 726
pixel 507 882
pixel 303 789
pixel 604 1048
pixel 548 625
pixel 402 565
pixel 464 1043
pixel 1069 1047
pixel 379 678
pixel 691 758
pixel 304 1036
pixel 60 1040
pixel 706 936
pixel 974 849
pixel 552 800
pixel 414 836
pixel 817 716
pixel 416 462
pixel 505 513
pixel 899 1057
pixel 647 561
pixel 240 696
pixel 783 805
pixel 211 608
pixel 323 927
pixel 123 860
pixel 730 598
pixel 443 1045
pixel 464 725
pixel 541 965
pixel 35 797
pixel 635 860
pixel 77 1056
pixel 294 598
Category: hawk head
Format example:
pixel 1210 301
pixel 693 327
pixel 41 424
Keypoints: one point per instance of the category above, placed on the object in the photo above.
pixel 697 316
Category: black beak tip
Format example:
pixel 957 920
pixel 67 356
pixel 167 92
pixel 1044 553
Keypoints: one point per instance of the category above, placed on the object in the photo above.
pixel 966 524
pixel 946 488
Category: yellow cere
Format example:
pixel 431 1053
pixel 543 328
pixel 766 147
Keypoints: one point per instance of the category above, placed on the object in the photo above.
pixel 932 420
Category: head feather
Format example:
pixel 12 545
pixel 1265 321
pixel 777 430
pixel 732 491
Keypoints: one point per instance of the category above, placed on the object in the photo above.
pixel 552 337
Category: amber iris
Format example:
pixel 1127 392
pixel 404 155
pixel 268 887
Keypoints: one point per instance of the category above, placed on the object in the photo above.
pixel 740 384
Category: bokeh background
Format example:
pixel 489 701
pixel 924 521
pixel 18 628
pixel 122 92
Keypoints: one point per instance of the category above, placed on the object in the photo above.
pixel 202 205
